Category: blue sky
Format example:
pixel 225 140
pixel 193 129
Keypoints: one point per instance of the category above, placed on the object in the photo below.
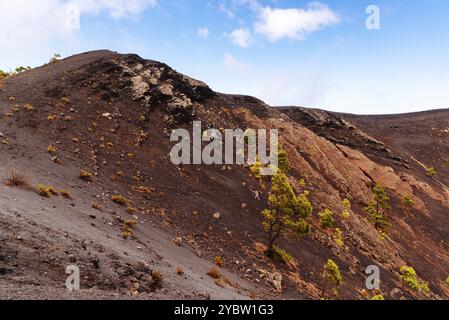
pixel 286 52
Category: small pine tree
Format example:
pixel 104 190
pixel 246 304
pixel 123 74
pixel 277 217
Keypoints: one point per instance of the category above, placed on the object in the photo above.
pixel 377 206
pixel 410 278
pixel 287 212
pixel 56 57
pixel 431 171
pixel 338 237
pixel 255 169
pixel 326 218
pixel 332 275
pixel 283 162
pixel 3 74
pixel 408 202
pixel 22 69
pixel 346 212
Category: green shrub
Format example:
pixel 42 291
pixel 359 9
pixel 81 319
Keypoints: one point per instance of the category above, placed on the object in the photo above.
pixel 22 69
pixel 346 212
pixel 283 162
pixel 410 278
pixel 3 74
pixel 431 171
pixel 338 237
pixel 282 255
pixel 46 191
pixel 119 199
pixel 16 179
pixel 157 279
pixel 332 275
pixel 326 218
pixel 408 201
pixel 85 175
pixel 378 297
pixel 255 169
pixel 56 57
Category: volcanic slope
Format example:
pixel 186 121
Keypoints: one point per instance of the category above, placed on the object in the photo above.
pixel 96 128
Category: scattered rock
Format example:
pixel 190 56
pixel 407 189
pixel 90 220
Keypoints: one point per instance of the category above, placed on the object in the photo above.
pixel 274 278
pixel 177 241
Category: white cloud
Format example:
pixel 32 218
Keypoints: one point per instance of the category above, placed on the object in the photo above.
pixel 203 33
pixel 116 8
pixel 228 12
pixel 31 28
pixel 294 23
pixel 286 88
pixel 234 64
pixel 241 37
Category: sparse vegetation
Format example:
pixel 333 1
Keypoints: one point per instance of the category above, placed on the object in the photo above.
pixel 157 279
pixel 28 107
pixel 85 175
pixel 255 169
pixel 143 189
pixel 119 199
pixel 131 210
pixel 16 180
pixel 213 273
pixel 21 69
pixel 377 208
pixel 282 256
pixel 410 279
pixel 219 261
pixel 52 149
pixel 283 161
pixel 222 282
pixel 287 212
pixel 425 287
pixel 180 271
pixel 326 218
pixel 56 57
pixel 46 191
pixel 3 74
pixel 332 275
pixel 65 194
pixel 96 206
pixel 127 229
pixel 338 237
pixel 408 202
pixel 431 171
pixel 346 214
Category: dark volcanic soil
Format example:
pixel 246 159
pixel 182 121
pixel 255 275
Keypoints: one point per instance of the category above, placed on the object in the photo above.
pixel 112 115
